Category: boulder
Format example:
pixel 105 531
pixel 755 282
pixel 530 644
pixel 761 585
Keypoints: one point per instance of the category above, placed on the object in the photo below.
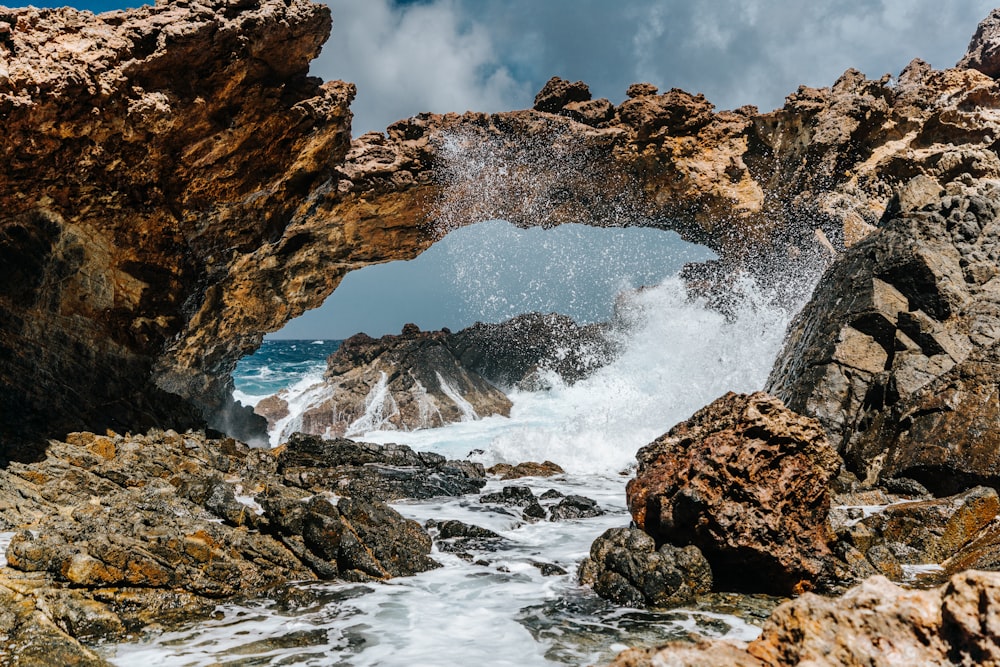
pixel 876 624
pixel 626 568
pixel 896 352
pixel 525 469
pixel 746 481
pixel 366 470
pixel 575 507
pixel 557 93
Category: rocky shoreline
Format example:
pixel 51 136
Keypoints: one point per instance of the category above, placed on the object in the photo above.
pixel 150 245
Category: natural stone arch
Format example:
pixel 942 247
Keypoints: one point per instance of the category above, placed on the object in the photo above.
pixel 156 226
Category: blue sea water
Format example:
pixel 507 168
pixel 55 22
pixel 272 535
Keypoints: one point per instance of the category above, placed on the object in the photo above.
pixel 279 364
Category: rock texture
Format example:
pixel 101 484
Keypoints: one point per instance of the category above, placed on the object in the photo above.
pixel 154 227
pixel 626 567
pixel 876 624
pixel 425 379
pixel 113 533
pixel 747 482
pixel 897 352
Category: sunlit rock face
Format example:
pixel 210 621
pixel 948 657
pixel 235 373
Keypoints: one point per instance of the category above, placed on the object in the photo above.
pixel 174 185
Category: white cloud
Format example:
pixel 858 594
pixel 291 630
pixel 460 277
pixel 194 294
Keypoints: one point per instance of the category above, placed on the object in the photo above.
pixel 423 57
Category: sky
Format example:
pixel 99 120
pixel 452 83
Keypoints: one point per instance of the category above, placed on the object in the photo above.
pixel 409 56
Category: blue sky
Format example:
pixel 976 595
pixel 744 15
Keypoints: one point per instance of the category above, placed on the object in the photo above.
pixel 492 55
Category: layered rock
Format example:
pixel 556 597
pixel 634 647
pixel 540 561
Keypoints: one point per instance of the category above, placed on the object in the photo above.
pixel 896 353
pixel 425 379
pixel 746 481
pixel 113 533
pixel 877 624
pixel 151 244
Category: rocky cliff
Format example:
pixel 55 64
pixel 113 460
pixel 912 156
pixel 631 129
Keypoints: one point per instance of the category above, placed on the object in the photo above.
pixel 156 224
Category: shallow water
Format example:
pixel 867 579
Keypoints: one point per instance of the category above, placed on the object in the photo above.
pixel 498 608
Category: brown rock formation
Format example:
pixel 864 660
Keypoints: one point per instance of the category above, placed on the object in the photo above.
pixel 876 624
pixel 896 353
pixel 746 481
pixel 983 53
pixel 155 226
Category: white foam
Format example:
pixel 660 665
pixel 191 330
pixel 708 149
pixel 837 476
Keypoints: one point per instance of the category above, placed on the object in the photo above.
pixel 468 412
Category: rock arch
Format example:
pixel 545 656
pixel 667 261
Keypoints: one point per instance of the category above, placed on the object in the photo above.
pixel 153 226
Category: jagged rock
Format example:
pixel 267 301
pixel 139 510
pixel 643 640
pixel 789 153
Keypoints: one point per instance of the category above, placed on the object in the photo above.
pixel 128 531
pixel 983 53
pixel 876 624
pixel 366 470
pixel 403 382
pixel 746 481
pixel 575 507
pixel 626 567
pixel 515 496
pixel 557 93
pixel 925 532
pixel 641 90
pixel 896 352
pixel 520 351
pixel 525 469
pixel 132 235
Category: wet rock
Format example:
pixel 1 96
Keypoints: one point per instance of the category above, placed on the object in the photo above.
pixel 557 93
pixel 523 350
pixel 551 494
pixel 549 569
pixel 925 532
pixel 405 382
pixel 877 624
pixel 575 507
pixel 626 567
pixel 901 370
pixel 157 528
pixel 384 472
pixel 515 496
pixel 746 481
pixel 526 469
pixel 534 511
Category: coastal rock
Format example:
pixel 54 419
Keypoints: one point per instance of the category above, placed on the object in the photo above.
pixel 557 93
pixel 525 469
pixel 403 382
pixel 113 533
pixel 152 244
pixel 575 507
pixel 928 532
pixel 877 624
pixel 382 472
pixel 521 351
pixel 983 53
pixel 896 352
pixel 746 481
pixel 626 567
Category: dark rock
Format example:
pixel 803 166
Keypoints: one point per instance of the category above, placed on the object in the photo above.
pixel 557 93
pixel 626 567
pixel 534 511
pixel 896 352
pixel 903 486
pixel 516 496
pixel 551 494
pixel 983 53
pixel 549 569
pixel 525 469
pixel 383 472
pixel 746 481
pixel 522 350
pixel 575 507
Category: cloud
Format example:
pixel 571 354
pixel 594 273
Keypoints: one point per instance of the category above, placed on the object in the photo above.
pixel 489 55
pixel 413 58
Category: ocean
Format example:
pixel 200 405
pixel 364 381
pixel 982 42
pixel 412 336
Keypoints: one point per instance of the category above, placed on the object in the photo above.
pixel 678 355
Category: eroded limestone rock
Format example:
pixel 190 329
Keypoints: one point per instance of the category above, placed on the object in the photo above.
pixel 746 481
pixel 876 624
